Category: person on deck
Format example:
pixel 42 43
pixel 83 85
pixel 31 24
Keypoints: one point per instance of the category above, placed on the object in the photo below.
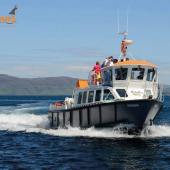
pixel 111 61
pixel 97 75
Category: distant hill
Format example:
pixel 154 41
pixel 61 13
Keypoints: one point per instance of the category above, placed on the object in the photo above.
pixel 166 90
pixel 10 85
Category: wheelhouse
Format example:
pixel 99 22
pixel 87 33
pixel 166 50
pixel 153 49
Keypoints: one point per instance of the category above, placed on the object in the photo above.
pixel 122 73
pixel 132 79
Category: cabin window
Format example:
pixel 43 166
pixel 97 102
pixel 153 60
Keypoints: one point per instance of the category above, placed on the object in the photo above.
pixel 155 79
pixel 90 97
pixel 107 95
pixel 137 73
pixel 150 74
pixel 122 92
pixel 121 73
pixel 108 76
pixel 98 95
pixel 84 97
pixel 79 98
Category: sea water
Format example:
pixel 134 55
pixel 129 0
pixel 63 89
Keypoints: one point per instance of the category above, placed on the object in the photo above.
pixel 27 142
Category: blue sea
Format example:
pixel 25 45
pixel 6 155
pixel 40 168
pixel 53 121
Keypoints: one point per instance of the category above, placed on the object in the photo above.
pixel 27 142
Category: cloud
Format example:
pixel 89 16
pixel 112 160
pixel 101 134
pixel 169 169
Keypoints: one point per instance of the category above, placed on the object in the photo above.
pixel 82 68
pixel 164 74
pixel 46 50
pixel 46 70
pixel 82 51
pixel 76 52
pixel 27 71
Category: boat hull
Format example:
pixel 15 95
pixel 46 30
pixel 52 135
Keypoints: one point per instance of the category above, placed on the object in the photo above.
pixel 140 113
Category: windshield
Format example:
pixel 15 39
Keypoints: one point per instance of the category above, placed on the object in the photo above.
pixel 121 73
pixel 150 74
pixel 137 73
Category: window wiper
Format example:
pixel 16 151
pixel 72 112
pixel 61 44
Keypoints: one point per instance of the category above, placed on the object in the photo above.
pixel 108 96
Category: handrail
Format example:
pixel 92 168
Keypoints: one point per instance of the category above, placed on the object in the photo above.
pixel 90 76
pixel 160 93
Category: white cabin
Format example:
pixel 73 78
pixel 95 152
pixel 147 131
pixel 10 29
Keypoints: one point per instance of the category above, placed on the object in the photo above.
pixel 125 80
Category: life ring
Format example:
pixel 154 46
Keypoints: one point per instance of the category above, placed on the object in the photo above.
pixel 58 104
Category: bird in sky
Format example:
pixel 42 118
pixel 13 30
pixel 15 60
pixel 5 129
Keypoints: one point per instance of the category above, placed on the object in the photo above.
pixel 13 11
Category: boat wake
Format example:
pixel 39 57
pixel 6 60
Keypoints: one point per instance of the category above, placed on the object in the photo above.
pixel 23 119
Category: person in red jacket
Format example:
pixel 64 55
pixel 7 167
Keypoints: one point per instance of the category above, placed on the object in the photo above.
pixel 97 70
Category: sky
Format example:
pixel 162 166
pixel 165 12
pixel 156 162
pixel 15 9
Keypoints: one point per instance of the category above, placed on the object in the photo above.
pixel 66 37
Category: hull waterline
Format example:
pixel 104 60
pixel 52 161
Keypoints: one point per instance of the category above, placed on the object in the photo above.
pixel 140 113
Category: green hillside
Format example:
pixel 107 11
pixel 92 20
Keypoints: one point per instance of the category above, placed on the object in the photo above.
pixel 36 86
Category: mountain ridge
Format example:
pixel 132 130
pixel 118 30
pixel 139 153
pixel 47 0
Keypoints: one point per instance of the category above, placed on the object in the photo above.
pixel 11 85
pixel 61 85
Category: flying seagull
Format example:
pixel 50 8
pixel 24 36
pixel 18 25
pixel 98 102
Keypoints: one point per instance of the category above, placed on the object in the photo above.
pixel 12 12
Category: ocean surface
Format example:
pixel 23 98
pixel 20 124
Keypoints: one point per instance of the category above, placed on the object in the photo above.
pixel 27 142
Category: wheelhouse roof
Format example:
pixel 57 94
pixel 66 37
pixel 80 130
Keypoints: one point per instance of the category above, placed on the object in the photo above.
pixel 135 62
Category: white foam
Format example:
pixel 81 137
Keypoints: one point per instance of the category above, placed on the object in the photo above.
pixel 19 119
pixel 77 132
pixel 39 123
pixel 22 122
pixel 156 131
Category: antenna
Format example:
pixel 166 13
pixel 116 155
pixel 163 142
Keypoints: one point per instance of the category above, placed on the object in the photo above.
pixel 127 20
pixel 118 21
pixel 124 33
pixel 125 42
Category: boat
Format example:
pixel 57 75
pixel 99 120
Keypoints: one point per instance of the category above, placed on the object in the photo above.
pixel 128 92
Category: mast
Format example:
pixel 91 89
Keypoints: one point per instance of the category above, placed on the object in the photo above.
pixel 125 42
